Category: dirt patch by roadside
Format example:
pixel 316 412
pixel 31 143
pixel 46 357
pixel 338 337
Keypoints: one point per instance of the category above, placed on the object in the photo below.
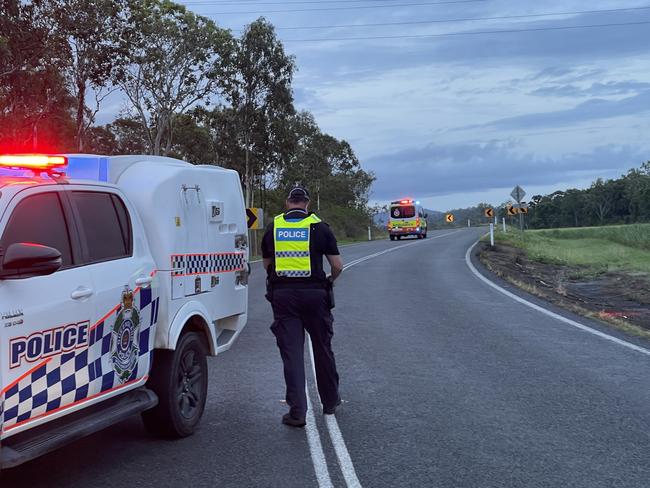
pixel 621 298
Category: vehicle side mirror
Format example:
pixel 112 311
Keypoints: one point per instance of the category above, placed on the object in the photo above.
pixel 426 215
pixel 25 260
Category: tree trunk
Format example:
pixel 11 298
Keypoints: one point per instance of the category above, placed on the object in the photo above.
pixel 81 104
pixel 160 129
pixel 247 175
pixel 170 133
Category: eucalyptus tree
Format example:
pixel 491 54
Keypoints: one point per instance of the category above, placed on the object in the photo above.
pixel 259 93
pixel 176 59
pixel 92 29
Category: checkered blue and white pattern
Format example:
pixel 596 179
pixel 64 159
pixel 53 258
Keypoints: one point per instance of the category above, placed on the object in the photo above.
pixel 189 264
pixel 294 274
pixel 291 254
pixel 74 376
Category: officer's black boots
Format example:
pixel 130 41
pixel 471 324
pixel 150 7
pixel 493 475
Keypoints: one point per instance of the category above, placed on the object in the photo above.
pixel 331 410
pixel 287 419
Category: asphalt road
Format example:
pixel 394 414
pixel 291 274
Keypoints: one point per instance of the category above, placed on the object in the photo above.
pixel 447 382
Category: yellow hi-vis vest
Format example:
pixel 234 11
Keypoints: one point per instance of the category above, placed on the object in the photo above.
pixel 291 241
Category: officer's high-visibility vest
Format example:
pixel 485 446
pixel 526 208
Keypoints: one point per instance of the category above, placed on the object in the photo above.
pixel 292 246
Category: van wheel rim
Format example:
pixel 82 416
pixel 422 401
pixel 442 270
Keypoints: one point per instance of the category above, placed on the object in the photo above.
pixel 190 379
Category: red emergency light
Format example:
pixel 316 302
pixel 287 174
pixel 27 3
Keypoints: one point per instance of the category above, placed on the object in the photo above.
pixel 33 161
pixel 406 201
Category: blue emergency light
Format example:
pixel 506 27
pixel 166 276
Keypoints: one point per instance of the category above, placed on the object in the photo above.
pixel 87 167
pixel 73 166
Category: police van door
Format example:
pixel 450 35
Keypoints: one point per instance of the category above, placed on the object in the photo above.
pixel 126 300
pixel 45 320
pixel 196 259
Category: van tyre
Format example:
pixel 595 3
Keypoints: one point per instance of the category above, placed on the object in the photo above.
pixel 180 379
pixel 392 238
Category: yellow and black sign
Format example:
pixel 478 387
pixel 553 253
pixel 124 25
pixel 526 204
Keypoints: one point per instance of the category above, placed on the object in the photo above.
pixel 523 210
pixel 255 218
pixel 489 212
pixel 511 210
pixel 449 218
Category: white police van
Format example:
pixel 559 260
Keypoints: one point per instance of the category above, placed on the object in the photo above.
pixel 118 276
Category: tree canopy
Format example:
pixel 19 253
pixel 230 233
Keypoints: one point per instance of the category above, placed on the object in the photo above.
pixel 192 90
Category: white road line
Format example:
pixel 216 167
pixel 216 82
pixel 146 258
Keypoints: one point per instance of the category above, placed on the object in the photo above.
pixel 316 447
pixel 342 453
pixel 345 461
pixel 554 315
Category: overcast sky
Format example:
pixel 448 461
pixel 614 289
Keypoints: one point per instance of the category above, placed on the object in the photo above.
pixel 459 119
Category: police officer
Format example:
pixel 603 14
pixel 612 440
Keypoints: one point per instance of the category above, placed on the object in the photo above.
pixel 301 296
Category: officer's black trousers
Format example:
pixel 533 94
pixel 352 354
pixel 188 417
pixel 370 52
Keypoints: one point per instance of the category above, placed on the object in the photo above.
pixel 294 311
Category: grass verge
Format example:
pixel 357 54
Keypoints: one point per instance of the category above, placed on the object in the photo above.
pixel 599 249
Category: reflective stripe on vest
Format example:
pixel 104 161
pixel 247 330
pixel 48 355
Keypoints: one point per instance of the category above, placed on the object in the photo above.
pixel 291 241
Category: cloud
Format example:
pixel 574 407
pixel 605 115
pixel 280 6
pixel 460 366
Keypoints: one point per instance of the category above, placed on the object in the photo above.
pixel 594 109
pixel 434 170
pixel 596 89
pixel 563 48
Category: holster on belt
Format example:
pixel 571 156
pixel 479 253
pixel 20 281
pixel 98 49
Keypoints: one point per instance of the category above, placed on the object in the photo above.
pixel 269 290
pixel 330 294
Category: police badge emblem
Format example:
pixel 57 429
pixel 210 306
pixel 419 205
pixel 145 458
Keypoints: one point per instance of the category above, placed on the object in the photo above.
pixel 125 340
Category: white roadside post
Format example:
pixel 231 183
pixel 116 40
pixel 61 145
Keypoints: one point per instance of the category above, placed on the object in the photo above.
pixel 369 234
pixel 491 234
pixel 469 223
pixel 504 224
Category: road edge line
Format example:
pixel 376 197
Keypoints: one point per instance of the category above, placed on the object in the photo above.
pixel 316 447
pixel 341 450
pixel 549 313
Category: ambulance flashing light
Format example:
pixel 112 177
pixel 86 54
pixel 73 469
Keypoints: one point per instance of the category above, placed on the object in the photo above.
pixel 33 161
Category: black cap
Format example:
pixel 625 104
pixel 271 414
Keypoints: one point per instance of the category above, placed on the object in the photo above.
pixel 298 193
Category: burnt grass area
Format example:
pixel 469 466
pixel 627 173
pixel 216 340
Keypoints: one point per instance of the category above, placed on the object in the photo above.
pixel 618 298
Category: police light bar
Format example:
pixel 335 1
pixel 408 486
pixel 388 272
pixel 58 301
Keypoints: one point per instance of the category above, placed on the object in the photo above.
pixel 33 161
pixel 406 201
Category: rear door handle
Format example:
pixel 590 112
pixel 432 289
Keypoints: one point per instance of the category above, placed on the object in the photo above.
pixel 81 293
pixel 143 281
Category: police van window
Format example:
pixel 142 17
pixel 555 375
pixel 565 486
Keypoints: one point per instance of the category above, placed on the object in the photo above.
pixel 402 212
pixel 39 219
pixel 105 224
pixel 125 222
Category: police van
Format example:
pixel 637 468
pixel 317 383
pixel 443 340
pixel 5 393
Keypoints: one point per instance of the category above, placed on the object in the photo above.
pixel 407 218
pixel 118 276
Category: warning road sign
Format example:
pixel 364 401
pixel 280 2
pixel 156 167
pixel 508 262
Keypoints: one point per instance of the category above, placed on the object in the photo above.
pixel 255 218
pixel 523 209
pixel 489 212
pixel 511 210
pixel 518 193
pixel 449 218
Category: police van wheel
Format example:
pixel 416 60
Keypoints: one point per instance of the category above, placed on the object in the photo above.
pixel 392 238
pixel 180 379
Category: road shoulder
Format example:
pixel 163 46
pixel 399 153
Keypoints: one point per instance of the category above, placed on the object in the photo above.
pixel 571 315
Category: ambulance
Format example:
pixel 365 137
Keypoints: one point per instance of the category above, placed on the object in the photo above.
pixel 407 218
pixel 118 277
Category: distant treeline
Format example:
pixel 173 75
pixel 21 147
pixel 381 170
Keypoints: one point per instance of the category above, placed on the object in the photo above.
pixel 623 200
pixel 192 90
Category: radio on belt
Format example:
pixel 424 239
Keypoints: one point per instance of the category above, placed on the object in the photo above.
pixel 112 269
